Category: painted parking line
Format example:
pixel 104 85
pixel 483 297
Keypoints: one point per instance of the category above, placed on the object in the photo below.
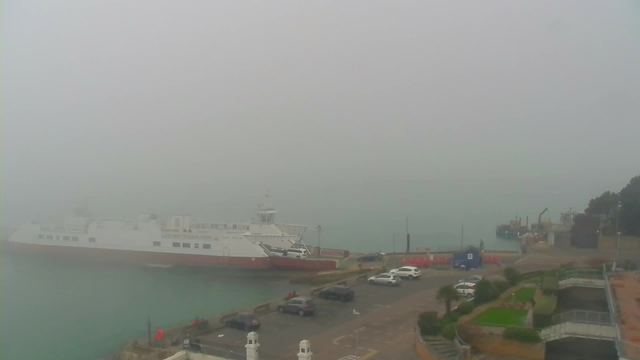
pixel 335 341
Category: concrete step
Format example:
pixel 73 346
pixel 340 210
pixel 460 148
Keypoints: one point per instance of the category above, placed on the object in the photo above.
pixel 445 349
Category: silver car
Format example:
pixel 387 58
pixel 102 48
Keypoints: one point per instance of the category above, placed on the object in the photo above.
pixel 384 279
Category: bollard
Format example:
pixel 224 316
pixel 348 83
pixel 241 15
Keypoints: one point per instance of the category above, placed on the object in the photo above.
pixel 305 350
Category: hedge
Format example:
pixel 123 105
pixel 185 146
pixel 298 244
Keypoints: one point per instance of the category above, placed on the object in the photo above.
pixel 429 323
pixel 543 310
pixel 465 308
pixel 485 292
pixel 512 275
pixel 452 317
pixel 521 334
pixel 500 285
pixel 449 331
pixel 550 285
pixel 532 274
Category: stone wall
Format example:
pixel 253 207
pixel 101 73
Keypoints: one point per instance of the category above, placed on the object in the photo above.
pixel 496 345
pixel 627 243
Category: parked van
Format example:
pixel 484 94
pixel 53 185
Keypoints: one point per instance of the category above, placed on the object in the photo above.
pixel 292 253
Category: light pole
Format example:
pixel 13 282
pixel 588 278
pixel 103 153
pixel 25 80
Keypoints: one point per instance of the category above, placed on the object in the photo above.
pixel 617 233
pixel 357 334
pixel 394 243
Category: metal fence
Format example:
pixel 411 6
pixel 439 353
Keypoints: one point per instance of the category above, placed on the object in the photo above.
pixel 584 317
pixel 581 273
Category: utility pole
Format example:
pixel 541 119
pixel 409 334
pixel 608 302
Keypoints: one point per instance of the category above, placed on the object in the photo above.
pixel 394 243
pixel 319 236
pixel 462 237
pixel 617 233
pixel 149 328
pixel 408 237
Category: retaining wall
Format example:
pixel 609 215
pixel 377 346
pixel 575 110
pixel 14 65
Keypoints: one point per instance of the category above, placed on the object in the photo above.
pixel 496 345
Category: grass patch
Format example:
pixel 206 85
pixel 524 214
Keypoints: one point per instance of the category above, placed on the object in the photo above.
pixel 524 294
pixel 501 317
pixel 533 281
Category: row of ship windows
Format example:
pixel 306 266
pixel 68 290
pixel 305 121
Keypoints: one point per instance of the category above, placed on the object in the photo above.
pixel 222 226
pixel 184 245
pixel 65 238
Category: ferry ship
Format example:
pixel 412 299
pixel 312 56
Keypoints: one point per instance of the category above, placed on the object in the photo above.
pixel 176 241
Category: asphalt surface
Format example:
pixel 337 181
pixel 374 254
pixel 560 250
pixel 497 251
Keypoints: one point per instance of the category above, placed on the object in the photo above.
pixel 280 332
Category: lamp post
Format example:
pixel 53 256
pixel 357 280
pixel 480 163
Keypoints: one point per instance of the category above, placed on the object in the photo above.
pixel 357 334
pixel 617 233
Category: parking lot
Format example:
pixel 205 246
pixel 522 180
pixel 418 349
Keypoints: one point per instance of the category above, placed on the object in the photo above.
pixel 383 316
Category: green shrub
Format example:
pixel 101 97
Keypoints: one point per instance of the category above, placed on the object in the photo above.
pixel 521 334
pixel 550 285
pixel 485 292
pixel 449 331
pixel 451 317
pixel 532 274
pixel 512 275
pixel 429 323
pixel 543 310
pixel 465 308
pixel 500 286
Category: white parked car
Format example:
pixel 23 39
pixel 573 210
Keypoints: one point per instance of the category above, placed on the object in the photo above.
pixel 384 279
pixel 410 272
pixel 466 289
pixel 473 279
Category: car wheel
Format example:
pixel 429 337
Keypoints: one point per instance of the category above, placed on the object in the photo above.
pixel 301 313
pixel 390 283
pixel 281 309
pixel 469 295
pixel 411 277
pixel 371 282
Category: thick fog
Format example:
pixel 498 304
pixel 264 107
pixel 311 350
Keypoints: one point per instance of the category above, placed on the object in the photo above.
pixel 350 113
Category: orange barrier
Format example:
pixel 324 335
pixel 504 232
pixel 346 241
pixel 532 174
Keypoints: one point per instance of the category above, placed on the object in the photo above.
pixel 425 262
pixel 492 260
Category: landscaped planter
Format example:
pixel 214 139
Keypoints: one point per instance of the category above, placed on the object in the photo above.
pixel 493 343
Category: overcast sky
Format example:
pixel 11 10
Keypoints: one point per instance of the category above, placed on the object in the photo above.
pixel 137 105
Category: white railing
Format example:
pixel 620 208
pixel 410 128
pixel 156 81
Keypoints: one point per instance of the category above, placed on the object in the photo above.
pixel 571 329
pixel 584 317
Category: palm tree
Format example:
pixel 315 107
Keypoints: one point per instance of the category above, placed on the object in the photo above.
pixel 447 294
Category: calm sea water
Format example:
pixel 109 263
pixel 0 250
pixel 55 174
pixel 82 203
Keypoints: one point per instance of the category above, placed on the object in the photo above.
pixel 53 308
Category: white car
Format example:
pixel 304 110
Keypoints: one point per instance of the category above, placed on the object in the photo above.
pixel 473 279
pixel 410 272
pixel 384 279
pixel 466 289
